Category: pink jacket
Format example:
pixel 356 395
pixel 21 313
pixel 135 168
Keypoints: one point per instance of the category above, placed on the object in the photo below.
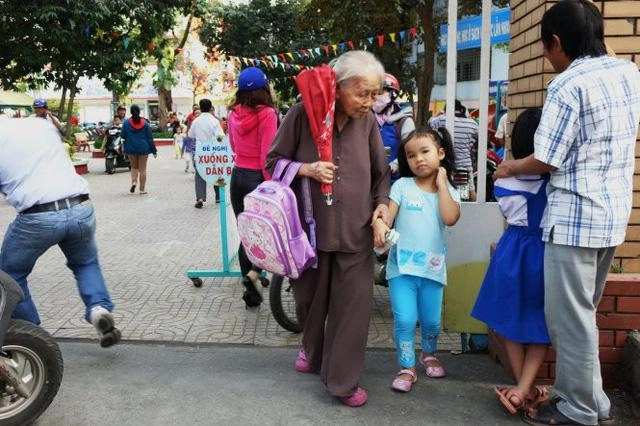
pixel 251 132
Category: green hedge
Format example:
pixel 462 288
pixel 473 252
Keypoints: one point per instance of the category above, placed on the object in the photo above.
pixel 162 135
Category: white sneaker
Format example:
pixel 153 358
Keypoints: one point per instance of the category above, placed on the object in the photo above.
pixel 103 322
pixel 101 319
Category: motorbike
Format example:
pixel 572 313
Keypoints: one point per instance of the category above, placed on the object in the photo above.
pixel 113 151
pixel 31 363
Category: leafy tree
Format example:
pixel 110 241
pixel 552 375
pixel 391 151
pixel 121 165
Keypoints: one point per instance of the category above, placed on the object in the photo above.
pixel 352 19
pixel 61 40
pixel 256 29
pixel 358 20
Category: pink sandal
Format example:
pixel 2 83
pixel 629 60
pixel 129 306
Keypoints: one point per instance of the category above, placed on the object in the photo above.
pixel 356 399
pixel 302 364
pixel 402 385
pixel 433 372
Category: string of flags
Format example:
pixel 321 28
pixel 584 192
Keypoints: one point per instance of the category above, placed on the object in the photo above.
pixel 287 60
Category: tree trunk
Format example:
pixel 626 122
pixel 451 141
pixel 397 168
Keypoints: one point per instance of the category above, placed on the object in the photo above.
pixel 72 96
pixel 165 102
pixel 115 98
pixel 63 99
pixel 425 73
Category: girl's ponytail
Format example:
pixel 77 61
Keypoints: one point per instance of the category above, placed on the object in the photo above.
pixel 446 142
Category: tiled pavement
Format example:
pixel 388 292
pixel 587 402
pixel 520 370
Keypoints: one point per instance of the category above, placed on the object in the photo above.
pixel 146 245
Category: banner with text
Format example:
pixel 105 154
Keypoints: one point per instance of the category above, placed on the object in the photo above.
pixel 469 30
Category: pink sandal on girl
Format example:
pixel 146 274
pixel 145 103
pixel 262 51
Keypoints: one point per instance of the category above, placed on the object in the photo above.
pixel 435 372
pixel 402 385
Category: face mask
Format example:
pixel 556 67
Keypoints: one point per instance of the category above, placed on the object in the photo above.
pixel 381 102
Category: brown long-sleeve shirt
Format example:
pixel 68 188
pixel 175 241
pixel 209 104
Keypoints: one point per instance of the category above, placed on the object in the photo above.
pixel 360 183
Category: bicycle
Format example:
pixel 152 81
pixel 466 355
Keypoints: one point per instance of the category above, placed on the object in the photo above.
pixel 283 305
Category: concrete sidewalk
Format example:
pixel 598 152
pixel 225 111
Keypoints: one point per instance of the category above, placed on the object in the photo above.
pixel 147 384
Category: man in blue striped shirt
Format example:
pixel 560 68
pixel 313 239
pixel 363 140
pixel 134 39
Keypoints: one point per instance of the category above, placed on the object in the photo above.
pixel 465 140
pixel 586 140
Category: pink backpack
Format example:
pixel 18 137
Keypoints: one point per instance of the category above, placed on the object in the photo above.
pixel 270 228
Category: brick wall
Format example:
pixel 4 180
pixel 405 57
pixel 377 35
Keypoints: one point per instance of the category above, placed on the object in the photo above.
pixel 618 313
pixel 529 73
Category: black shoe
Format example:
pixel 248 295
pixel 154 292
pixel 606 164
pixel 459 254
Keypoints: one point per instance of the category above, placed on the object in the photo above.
pixel 132 189
pixel 110 338
pixel 251 296
pixel 198 204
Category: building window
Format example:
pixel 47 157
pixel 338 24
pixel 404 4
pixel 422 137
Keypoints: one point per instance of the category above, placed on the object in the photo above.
pixel 468 65
pixel 468 68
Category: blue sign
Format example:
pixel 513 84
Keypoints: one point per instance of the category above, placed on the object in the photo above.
pixel 493 86
pixel 470 29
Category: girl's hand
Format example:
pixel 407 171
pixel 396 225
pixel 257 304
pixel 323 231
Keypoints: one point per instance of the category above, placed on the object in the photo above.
pixel 379 233
pixel 442 180
pixel 504 170
pixel 322 171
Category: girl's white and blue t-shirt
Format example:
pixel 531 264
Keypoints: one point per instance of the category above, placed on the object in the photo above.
pixel 420 250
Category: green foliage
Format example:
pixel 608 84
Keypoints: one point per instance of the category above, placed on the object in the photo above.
pixel 258 28
pixel 162 135
pixel 617 267
pixel 339 21
pixel 59 41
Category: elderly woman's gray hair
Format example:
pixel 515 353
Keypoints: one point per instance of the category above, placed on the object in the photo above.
pixel 356 64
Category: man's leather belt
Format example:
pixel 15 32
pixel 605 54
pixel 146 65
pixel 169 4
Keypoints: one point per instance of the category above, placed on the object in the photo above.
pixel 65 203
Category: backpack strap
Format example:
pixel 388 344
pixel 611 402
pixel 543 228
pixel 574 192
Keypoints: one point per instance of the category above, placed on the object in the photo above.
pixel 286 177
pixel 278 172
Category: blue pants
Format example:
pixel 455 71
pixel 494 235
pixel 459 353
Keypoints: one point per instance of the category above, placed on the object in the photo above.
pixel 412 299
pixel 73 230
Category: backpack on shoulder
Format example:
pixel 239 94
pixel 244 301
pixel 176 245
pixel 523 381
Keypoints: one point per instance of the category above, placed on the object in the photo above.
pixel 270 229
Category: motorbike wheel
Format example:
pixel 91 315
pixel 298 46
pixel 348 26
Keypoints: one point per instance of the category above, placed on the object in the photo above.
pixel 36 357
pixel 283 307
pixel 110 165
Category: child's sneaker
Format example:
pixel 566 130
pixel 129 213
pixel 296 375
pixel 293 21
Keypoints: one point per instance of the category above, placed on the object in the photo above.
pixel 251 296
pixel 102 321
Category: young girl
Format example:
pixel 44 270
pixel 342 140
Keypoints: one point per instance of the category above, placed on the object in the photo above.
pixel 511 299
pixel 423 201
pixel 178 138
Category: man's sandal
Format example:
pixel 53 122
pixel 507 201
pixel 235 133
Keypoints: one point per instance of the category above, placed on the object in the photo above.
pixel 537 396
pixel 512 400
pixel 402 385
pixel 547 413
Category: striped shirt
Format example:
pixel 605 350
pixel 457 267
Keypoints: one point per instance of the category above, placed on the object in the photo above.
pixel 465 138
pixel 588 132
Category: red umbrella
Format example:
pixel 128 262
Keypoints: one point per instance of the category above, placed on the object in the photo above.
pixel 318 89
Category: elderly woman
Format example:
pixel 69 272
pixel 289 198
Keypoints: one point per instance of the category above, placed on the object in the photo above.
pixel 334 300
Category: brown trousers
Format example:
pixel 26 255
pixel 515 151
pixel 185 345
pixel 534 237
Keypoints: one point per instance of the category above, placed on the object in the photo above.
pixel 334 305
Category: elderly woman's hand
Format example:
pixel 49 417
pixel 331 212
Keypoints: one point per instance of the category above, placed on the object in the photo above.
pixel 379 233
pixel 381 212
pixel 322 171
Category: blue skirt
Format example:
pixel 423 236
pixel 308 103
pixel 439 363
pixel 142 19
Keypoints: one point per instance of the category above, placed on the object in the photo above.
pixel 511 299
